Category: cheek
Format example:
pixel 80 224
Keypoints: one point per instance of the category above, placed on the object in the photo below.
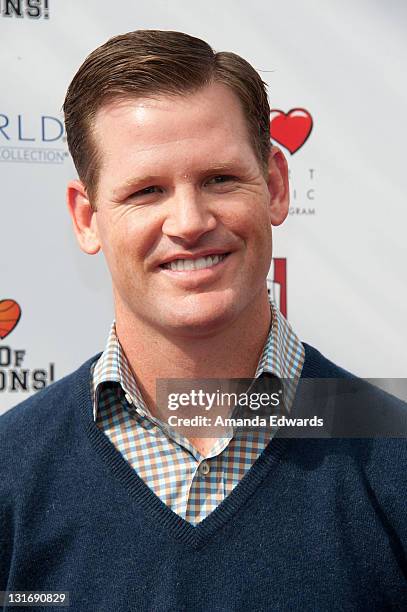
pixel 130 238
pixel 251 221
pixel 256 232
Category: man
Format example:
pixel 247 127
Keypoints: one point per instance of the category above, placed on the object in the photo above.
pixel 179 187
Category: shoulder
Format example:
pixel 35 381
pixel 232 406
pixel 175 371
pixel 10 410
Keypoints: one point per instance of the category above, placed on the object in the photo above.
pixel 370 425
pixel 38 438
pixel 316 365
pixel 361 406
pixel 30 423
pixel 348 386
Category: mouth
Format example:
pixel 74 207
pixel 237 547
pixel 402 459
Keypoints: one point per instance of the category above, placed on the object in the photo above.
pixel 200 263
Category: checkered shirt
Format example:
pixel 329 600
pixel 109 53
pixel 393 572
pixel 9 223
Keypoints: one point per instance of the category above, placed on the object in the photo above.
pixel 191 484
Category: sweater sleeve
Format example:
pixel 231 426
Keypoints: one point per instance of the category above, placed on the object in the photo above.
pixel 18 437
pixel 6 504
pixel 6 538
pixel 386 482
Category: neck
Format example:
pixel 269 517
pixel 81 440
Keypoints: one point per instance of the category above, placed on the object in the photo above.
pixel 232 352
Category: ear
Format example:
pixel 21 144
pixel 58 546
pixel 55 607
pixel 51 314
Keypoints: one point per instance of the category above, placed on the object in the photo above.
pixel 83 217
pixel 278 186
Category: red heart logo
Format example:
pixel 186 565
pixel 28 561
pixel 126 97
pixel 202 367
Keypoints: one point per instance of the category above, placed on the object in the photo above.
pixel 290 129
pixel 10 313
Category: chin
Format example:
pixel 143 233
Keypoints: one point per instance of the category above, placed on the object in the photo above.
pixel 200 317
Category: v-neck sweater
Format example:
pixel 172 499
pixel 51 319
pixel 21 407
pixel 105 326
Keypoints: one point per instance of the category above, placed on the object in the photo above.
pixel 315 524
pixel 190 482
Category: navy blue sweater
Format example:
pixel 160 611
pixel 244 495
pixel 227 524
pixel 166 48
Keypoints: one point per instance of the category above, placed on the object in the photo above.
pixel 315 524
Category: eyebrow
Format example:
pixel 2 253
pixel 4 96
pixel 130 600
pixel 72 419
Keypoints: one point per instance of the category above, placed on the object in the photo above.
pixel 134 181
pixel 118 192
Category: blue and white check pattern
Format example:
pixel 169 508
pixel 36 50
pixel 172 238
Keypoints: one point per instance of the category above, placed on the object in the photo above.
pixel 191 484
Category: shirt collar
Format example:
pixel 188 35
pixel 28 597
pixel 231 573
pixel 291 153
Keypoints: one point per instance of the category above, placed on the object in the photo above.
pixel 282 356
pixel 283 353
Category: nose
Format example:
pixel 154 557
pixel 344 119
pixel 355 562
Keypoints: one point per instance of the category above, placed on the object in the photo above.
pixel 188 216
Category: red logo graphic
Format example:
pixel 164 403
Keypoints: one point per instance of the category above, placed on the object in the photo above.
pixel 277 283
pixel 10 313
pixel 290 129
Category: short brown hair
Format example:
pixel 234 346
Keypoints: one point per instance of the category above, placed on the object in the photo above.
pixel 151 62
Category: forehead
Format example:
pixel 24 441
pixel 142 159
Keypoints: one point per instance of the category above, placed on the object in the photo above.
pixel 168 130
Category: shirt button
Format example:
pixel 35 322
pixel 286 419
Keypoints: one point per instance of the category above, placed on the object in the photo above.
pixel 204 468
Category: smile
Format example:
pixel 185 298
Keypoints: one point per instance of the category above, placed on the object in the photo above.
pixel 180 265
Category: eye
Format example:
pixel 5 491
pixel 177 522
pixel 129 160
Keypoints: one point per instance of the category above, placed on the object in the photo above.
pixel 220 179
pixel 146 191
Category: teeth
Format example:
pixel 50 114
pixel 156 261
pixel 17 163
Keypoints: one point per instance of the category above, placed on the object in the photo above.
pixel 202 262
pixel 194 264
pixel 186 264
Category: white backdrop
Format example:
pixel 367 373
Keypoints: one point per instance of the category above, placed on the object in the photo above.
pixel 344 241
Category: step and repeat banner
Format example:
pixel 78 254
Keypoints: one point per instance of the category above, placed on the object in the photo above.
pixel 336 80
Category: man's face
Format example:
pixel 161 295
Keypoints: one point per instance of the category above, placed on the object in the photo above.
pixel 183 211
